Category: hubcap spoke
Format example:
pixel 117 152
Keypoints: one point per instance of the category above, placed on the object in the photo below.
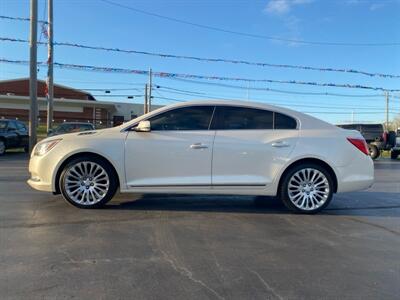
pixel 308 189
pixel 86 183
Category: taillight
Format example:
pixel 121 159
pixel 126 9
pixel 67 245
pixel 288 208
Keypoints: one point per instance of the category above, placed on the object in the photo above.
pixel 360 144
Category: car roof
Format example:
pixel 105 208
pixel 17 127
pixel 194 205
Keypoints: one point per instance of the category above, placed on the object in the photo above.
pixel 305 121
pixel 76 123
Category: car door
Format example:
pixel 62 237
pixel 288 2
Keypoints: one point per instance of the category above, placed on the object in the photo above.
pixel 12 135
pixel 23 136
pixel 250 145
pixel 176 152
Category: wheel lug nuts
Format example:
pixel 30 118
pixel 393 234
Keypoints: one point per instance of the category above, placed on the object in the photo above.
pixel 92 184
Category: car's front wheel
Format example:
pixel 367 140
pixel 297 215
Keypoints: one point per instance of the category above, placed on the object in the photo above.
pixel 88 182
pixel 307 188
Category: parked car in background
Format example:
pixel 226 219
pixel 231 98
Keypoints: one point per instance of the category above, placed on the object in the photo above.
pixel 69 127
pixel 207 147
pixel 13 134
pixel 376 136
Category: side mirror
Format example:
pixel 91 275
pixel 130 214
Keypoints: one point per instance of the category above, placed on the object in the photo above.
pixel 143 126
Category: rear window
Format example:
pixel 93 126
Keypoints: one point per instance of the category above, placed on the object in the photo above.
pixel 372 127
pixel 238 118
pixel 284 122
pixel 244 118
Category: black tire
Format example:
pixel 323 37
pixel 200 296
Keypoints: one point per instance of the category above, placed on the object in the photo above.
pixel 394 154
pixel 374 151
pixel 112 182
pixel 284 188
pixel 2 148
pixel 391 139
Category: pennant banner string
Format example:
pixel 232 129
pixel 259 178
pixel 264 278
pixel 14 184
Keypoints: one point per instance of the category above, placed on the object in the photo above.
pixel 202 59
pixel 202 77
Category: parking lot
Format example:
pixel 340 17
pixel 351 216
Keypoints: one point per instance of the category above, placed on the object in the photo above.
pixel 198 247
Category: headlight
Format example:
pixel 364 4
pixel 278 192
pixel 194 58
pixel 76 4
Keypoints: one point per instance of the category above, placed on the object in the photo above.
pixel 43 148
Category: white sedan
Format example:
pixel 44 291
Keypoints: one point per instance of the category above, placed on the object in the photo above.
pixel 207 147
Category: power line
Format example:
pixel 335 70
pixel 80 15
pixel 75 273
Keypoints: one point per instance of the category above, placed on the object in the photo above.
pixel 203 59
pixel 278 90
pixel 194 76
pixel 20 19
pixel 285 102
pixel 251 35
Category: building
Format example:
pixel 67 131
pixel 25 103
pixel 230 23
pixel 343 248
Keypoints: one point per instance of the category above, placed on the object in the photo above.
pixel 69 104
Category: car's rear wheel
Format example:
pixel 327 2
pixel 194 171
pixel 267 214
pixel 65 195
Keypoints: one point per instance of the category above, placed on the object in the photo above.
pixel 307 188
pixel 88 182
pixel 2 147
pixel 373 151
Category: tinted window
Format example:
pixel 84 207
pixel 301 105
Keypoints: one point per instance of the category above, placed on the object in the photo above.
pixel 284 122
pixel 86 127
pixel 21 126
pixel 3 124
pixel 349 126
pixel 242 118
pixel 11 125
pixel 185 118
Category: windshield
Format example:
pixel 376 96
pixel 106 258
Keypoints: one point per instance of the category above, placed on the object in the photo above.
pixel 3 124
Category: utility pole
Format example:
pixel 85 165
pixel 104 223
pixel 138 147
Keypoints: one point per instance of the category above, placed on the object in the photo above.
pixel 145 99
pixel 50 81
pixel 150 88
pixel 387 110
pixel 33 75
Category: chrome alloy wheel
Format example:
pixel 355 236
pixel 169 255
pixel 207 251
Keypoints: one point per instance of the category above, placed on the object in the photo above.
pixel 308 189
pixel 86 183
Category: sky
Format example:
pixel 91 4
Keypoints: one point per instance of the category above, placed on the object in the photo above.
pixel 101 23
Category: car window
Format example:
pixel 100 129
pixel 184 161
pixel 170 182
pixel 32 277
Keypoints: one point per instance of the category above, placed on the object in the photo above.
pixel 284 122
pixel 11 125
pixel 21 126
pixel 84 127
pixel 185 118
pixel 3 124
pixel 349 126
pixel 230 118
pixel 64 128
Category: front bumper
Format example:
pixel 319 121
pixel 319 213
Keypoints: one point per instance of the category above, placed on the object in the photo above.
pixel 40 186
pixel 42 172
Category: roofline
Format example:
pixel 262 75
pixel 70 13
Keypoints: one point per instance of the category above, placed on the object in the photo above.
pixel 54 84
pixel 62 100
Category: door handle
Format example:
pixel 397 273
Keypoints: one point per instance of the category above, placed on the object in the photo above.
pixel 280 144
pixel 198 146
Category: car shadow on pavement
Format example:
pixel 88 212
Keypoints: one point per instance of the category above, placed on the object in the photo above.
pixel 377 204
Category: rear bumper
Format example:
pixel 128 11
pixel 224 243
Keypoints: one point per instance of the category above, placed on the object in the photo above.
pixel 358 175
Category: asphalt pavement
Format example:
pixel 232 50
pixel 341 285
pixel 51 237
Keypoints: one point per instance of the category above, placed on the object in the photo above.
pixel 198 247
